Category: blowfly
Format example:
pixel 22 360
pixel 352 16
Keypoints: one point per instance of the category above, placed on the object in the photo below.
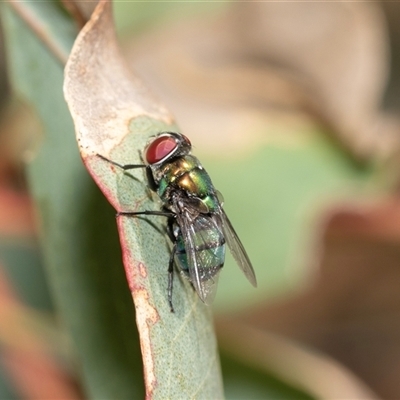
pixel 197 224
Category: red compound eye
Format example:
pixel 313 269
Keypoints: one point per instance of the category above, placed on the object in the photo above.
pixel 160 148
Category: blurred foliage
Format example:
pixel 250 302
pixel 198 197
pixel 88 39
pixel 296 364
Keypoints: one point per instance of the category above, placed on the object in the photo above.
pixel 242 382
pixel 136 17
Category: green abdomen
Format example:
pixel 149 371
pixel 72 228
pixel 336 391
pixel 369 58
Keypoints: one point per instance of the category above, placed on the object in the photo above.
pixel 209 246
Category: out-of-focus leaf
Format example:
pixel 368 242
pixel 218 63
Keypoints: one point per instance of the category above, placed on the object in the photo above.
pixel 80 10
pixel 241 381
pixel 7 391
pixel 27 350
pixel 23 263
pixel 77 226
pixel 134 17
pixel 339 51
pixel 298 366
pixel 114 116
pixel 19 250
pixel 4 83
pixel 51 26
pixel 351 309
pixel 392 16
pixel 329 60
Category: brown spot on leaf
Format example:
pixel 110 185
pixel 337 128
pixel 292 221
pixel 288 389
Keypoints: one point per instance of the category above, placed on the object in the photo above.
pixel 142 270
pixel 146 317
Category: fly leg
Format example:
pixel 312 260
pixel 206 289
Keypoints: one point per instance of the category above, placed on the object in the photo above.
pixel 147 212
pixel 171 276
pixel 126 167
pixel 133 214
pixel 171 216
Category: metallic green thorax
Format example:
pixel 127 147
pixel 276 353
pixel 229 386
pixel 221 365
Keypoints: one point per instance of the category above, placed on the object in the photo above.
pixel 186 174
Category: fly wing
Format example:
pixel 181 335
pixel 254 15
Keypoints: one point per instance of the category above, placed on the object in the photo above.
pixel 237 249
pixel 202 260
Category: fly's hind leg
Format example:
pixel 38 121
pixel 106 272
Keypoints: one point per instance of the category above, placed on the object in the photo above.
pixel 133 214
pixel 171 261
pixel 170 215
pixel 171 276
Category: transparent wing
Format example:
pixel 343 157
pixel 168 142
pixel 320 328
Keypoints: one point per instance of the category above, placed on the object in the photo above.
pixel 202 243
pixel 237 249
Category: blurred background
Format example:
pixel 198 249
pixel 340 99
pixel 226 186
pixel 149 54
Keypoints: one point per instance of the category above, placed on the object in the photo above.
pixel 293 109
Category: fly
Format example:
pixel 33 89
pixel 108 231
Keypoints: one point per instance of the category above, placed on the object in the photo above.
pixel 197 224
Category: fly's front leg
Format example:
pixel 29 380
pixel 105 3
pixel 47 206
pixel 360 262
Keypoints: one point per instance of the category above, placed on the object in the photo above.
pixel 126 167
